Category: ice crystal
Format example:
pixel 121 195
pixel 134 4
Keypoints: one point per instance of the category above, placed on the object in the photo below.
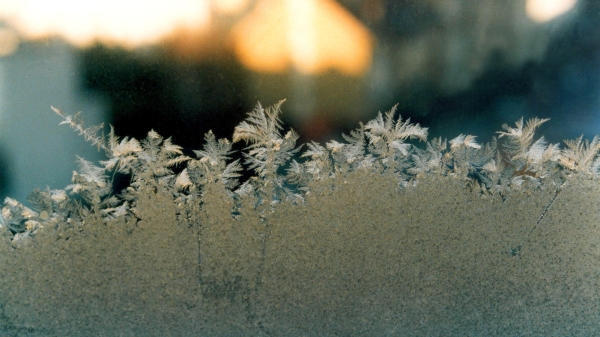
pixel 76 122
pixel 211 163
pixel 393 132
pixel 90 183
pixel 519 140
pixel 268 151
pixel 521 136
pixel 530 160
pixel 382 145
pixel 387 136
pixel 317 167
pixel 581 155
pixel 347 156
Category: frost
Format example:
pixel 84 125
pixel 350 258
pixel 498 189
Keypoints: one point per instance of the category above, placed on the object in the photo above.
pixel 387 136
pixel 319 164
pixel 536 159
pixel 280 173
pixel 268 151
pixel 76 122
pixel 519 140
pixel 466 141
pixel 581 155
pixel 347 156
pixel 521 136
pixel 211 163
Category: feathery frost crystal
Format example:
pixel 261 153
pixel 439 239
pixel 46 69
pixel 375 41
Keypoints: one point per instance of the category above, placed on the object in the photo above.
pixel 387 144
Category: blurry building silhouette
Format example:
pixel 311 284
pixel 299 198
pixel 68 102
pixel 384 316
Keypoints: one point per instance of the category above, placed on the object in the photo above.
pixel 35 151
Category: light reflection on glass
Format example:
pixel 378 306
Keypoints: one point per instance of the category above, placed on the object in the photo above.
pixel 128 22
pixel 546 10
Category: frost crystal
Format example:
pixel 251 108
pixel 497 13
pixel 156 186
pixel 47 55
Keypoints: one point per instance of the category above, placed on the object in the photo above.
pixel 384 145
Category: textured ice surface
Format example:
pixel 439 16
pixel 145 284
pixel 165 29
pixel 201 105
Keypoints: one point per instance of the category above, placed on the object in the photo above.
pixel 359 258
pixel 382 238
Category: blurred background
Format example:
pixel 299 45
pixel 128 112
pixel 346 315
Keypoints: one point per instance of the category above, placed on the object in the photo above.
pixel 183 67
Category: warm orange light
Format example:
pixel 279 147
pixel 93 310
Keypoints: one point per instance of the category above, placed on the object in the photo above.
pixel 229 7
pixel 546 10
pixel 128 22
pixel 311 35
pixel 9 42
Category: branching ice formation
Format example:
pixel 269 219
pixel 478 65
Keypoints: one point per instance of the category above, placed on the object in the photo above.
pixel 385 145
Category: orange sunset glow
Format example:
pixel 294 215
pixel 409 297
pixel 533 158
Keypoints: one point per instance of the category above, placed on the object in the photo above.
pixel 312 36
